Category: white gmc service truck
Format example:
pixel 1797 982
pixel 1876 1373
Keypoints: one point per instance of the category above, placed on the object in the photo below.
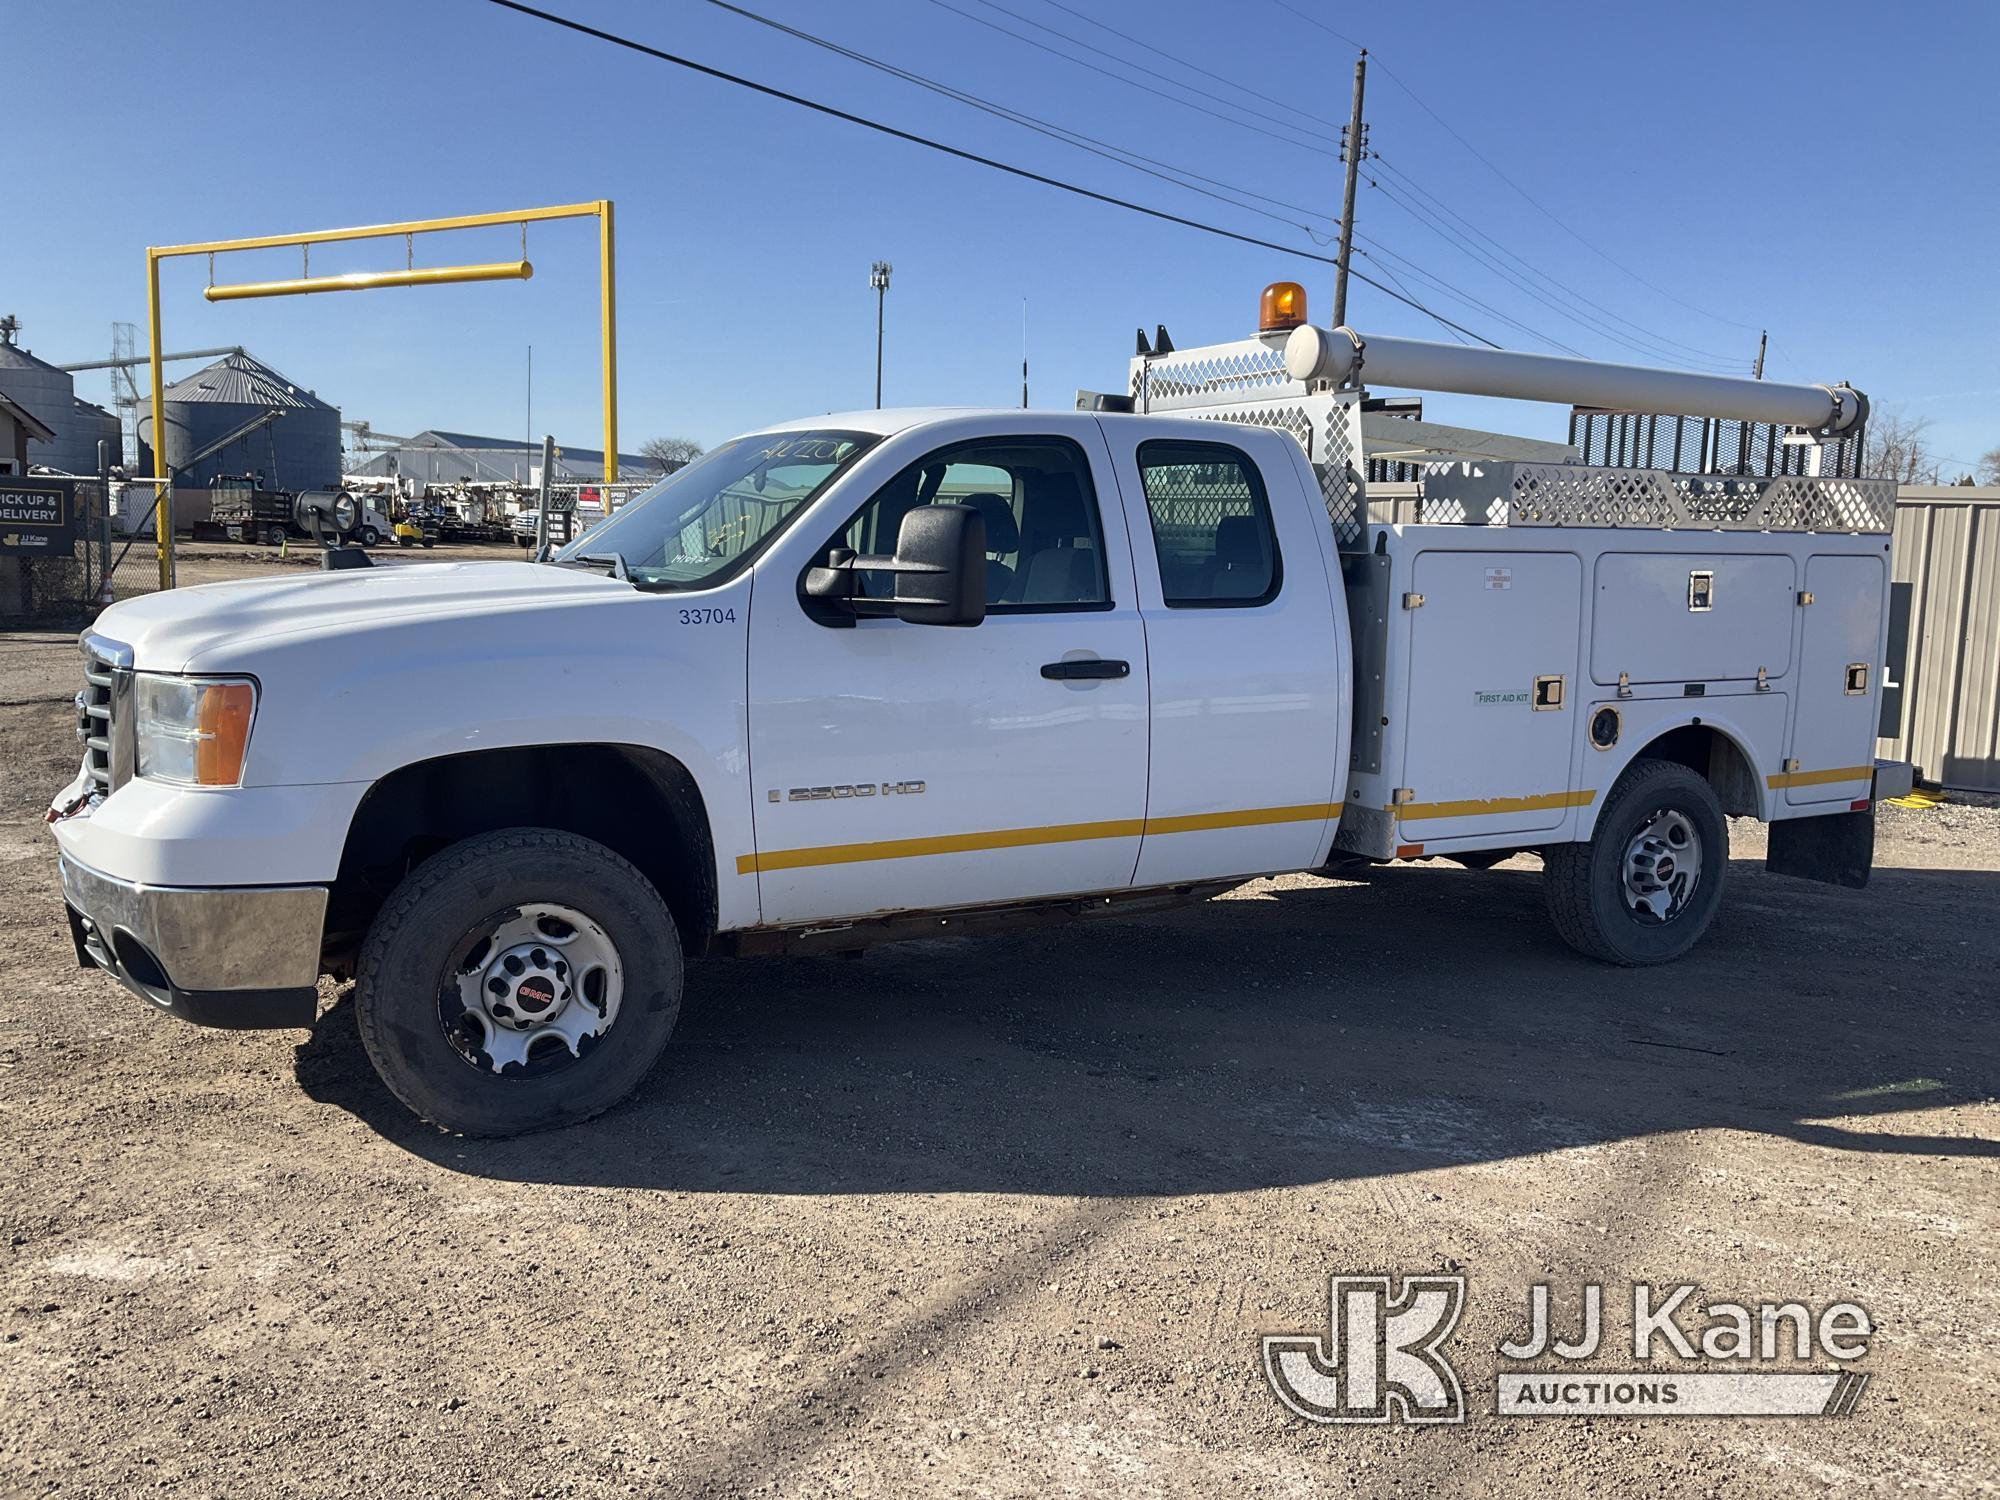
pixel 874 676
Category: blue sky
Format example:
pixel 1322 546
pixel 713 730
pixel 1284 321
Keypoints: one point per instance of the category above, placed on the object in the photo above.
pixel 1826 171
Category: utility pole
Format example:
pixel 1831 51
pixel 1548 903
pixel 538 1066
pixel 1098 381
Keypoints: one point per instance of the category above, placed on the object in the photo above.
pixel 1353 146
pixel 1757 370
pixel 878 277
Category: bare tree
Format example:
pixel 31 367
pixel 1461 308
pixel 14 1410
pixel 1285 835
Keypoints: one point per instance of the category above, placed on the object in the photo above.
pixel 1899 448
pixel 670 453
pixel 1989 466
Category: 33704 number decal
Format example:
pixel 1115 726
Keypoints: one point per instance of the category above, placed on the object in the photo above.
pixel 708 617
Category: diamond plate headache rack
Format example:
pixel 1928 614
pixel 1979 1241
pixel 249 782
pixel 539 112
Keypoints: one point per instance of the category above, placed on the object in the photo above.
pixel 1327 426
pixel 1520 494
pixel 1248 369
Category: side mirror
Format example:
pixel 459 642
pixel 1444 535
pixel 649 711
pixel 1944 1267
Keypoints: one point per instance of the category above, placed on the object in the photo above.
pixel 941 566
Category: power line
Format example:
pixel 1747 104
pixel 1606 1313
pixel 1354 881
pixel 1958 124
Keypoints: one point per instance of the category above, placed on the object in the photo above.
pixel 1192 67
pixel 1648 343
pixel 1129 82
pixel 1122 155
pixel 1128 63
pixel 1444 207
pixel 1118 153
pixel 1403 287
pixel 1378 252
pixel 769 91
pixel 1451 236
pixel 1316 21
pixel 1533 202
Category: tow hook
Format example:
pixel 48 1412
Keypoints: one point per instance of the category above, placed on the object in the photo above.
pixel 75 804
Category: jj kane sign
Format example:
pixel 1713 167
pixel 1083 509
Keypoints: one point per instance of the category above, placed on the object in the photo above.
pixel 37 516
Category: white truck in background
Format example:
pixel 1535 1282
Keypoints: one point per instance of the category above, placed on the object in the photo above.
pixel 873 676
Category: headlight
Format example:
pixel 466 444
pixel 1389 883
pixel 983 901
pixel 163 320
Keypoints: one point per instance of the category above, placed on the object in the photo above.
pixel 193 730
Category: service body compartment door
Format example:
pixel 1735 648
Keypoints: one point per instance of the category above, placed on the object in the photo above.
pixel 1692 616
pixel 1833 737
pixel 1493 664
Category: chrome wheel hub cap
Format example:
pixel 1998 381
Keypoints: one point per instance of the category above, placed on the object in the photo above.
pixel 1662 866
pixel 532 988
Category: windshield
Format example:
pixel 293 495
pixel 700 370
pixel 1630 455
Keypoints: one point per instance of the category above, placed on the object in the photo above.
pixel 704 523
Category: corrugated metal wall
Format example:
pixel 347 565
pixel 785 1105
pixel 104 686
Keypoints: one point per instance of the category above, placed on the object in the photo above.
pixel 1947 548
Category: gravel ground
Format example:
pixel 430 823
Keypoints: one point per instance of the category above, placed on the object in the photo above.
pixel 1006 1216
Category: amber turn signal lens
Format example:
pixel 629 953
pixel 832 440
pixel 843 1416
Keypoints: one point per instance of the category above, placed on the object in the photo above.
pixel 222 725
pixel 1283 306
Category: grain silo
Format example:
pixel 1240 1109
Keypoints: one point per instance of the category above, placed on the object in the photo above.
pixel 220 421
pixel 46 393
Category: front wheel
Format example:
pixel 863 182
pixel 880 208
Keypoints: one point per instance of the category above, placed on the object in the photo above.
pixel 518 981
pixel 1649 882
pixel 370 537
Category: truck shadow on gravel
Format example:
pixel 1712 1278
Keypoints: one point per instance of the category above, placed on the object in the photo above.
pixel 1415 1018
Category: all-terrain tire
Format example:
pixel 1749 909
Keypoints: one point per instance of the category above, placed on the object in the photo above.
pixel 405 957
pixel 1585 884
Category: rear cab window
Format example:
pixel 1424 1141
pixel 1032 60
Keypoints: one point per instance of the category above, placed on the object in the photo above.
pixel 1212 525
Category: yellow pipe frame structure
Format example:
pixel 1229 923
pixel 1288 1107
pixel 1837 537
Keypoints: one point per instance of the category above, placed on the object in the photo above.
pixel 363 281
pixel 600 210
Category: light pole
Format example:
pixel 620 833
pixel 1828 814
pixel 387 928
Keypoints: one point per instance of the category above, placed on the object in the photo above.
pixel 878 277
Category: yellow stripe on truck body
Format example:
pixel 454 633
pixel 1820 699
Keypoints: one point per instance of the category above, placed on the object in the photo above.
pixel 1018 838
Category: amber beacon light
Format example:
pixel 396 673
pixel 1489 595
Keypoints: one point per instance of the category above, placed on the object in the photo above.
pixel 1283 306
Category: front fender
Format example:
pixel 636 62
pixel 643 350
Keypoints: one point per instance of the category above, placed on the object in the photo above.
pixel 344 707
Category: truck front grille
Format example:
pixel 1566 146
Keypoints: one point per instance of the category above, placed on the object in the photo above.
pixel 102 714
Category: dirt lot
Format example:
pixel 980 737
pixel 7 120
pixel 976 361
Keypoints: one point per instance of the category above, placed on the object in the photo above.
pixel 1006 1216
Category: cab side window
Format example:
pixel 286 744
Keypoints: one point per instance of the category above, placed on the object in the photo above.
pixel 1211 525
pixel 1044 543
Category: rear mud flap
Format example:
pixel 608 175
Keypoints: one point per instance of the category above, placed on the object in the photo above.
pixel 1838 849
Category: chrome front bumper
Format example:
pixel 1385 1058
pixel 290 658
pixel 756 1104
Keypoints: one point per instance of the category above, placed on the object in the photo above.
pixel 238 956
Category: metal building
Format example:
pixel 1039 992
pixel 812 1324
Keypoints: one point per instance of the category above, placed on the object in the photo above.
pixel 1947 558
pixel 46 393
pixel 75 447
pixel 436 457
pixel 240 416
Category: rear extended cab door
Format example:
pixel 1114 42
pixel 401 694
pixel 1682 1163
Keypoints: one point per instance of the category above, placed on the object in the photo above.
pixel 1246 641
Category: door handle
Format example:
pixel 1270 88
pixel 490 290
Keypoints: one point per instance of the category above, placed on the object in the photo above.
pixel 1093 667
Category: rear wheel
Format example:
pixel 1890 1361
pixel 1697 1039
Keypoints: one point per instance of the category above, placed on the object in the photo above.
pixel 274 536
pixel 518 981
pixel 1647 885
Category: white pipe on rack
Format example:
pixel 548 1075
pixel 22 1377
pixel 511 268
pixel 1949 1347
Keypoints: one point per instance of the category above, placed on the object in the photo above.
pixel 1345 357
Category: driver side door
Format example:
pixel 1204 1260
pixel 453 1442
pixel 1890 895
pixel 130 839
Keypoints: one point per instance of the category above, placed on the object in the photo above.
pixel 901 767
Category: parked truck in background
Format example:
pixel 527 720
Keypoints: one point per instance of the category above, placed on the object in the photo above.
pixel 891 673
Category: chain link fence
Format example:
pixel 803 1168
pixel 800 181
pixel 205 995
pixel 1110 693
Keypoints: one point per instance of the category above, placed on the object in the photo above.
pixel 64 585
